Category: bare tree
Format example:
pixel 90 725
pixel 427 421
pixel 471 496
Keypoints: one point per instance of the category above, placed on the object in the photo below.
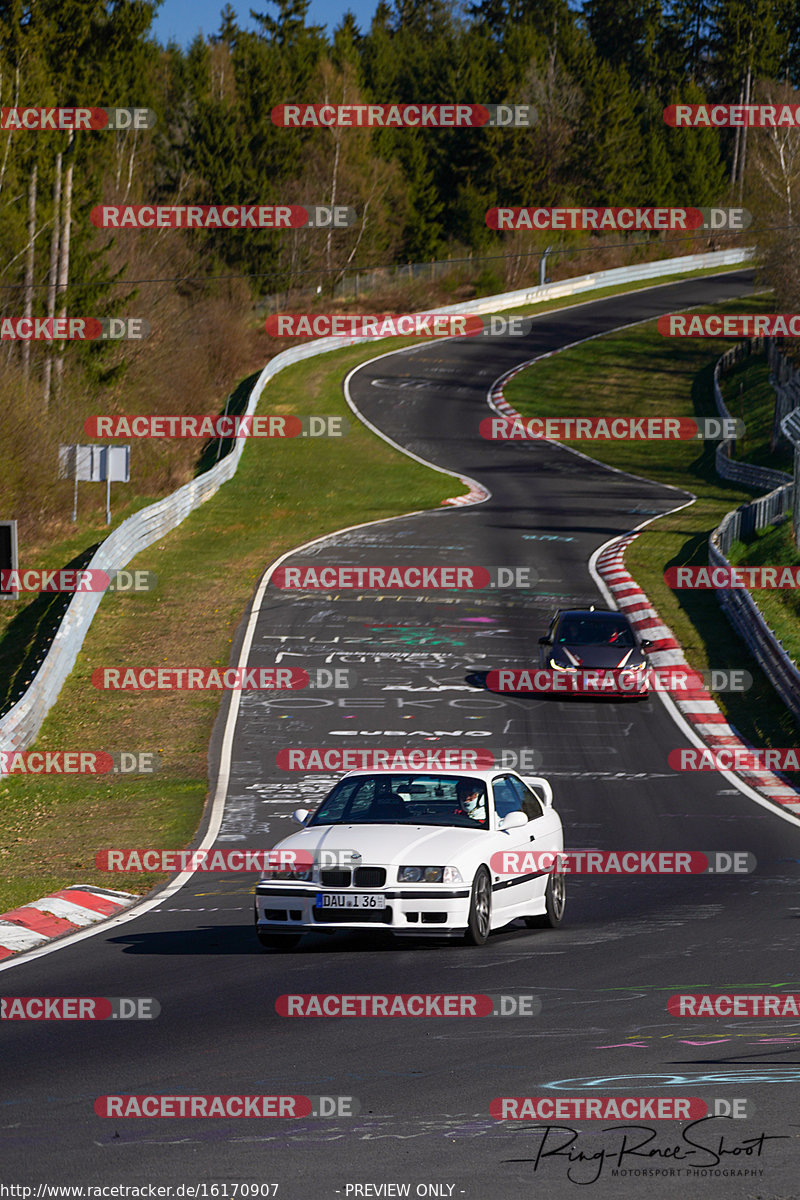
pixel 52 275
pixel 776 157
pixel 774 197
pixel 63 266
pixel 29 266
pixel 4 163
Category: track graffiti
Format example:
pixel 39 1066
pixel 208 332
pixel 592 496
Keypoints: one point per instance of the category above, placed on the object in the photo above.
pixel 720 1078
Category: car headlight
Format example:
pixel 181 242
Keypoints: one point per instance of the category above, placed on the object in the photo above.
pixel 560 666
pixel 302 876
pixel 429 875
pixel 636 666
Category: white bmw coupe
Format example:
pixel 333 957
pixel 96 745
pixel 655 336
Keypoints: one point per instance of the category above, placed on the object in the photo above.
pixel 410 853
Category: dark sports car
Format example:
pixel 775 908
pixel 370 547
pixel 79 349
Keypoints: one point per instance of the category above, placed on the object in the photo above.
pixel 601 645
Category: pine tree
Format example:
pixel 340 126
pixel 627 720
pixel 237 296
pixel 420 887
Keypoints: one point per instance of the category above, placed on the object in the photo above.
pixel 608 153
pixel 696 155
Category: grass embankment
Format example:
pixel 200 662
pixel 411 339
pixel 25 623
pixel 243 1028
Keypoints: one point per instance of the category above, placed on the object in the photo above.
pixel 749 394
pixel 638 373
pixel 775 544
pixel 285 492
pixel 781 607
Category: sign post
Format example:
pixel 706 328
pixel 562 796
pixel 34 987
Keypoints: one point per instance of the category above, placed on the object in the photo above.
pixel 94 464
pixel 117 468
pixel 8 554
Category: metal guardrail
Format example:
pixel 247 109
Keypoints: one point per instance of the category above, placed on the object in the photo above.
pixel 731 468
pixel 785 379
pixel 21 724
pixel 748 621
pixel 738 604
pixel 745 520
pixel 747 473
pixel 790 431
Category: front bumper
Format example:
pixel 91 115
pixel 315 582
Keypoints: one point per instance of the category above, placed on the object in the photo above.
pixel 596 683
pixel 416 911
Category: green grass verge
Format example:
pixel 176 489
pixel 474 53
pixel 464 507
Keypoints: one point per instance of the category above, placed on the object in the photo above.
pixel 749 394
pixel 781 607
pixel 638 373
pixel 774 545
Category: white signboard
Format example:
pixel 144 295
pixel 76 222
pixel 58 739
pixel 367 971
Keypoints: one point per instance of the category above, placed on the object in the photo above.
pixel 116 463
pixel 94 464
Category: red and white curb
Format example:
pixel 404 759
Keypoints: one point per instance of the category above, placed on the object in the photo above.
pixel 497 397
pixel 697 707
pixel 475 495
pixel 34 924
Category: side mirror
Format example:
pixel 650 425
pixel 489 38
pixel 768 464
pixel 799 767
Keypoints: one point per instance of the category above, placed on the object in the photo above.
pixel 301 815
pixel 645 642
pixel 544 641
pixel 537 783
pixel 514 820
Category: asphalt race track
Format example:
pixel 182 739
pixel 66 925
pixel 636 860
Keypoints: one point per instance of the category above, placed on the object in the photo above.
pixel 425 1085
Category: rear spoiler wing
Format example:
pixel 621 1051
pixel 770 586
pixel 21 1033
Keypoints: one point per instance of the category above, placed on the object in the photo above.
pixel 542 788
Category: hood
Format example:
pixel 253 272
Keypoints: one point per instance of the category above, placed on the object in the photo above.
pixel 387 845
pixel 607 657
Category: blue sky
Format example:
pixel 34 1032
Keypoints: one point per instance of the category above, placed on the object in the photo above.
pixel 182 19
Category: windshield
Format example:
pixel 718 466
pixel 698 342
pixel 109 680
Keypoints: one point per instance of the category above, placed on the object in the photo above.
pixel 405 799
pixel 595 631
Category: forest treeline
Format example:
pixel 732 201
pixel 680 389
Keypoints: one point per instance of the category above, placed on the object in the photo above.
pixel 598 74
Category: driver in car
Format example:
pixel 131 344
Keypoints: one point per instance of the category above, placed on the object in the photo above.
pixel 472 798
